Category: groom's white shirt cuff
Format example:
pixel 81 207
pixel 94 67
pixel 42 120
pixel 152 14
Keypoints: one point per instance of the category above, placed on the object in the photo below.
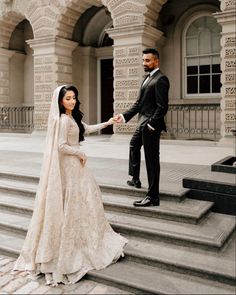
pixel 123 121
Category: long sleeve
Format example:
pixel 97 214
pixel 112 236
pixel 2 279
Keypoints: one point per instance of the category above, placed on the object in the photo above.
pixel 94 128
pixel 128 115
pixel 63 145
pixel 161 97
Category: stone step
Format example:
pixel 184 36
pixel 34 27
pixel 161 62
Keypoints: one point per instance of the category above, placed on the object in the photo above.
pixel 129 191
pixel 27 183
pixel 204 235
pixel 203 263
pixel 10 243
pixel 19 177
pixel 146 277
pixel 188 210
pixel 18 187
pixel 14 202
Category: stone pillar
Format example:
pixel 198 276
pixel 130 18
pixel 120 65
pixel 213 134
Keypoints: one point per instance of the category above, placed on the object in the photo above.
pixel 128 71
pixel 227 19
pixel 5 56
pixel 52 67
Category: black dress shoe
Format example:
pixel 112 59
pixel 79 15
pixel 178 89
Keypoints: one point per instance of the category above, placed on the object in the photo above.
pixel 147 202
pixel 135 183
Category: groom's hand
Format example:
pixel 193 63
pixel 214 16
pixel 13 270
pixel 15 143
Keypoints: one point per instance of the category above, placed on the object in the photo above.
pixel 118 118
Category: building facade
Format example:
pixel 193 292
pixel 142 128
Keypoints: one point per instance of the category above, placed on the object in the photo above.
pixel 97 45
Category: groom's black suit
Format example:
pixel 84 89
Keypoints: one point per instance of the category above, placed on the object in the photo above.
pixel 151 107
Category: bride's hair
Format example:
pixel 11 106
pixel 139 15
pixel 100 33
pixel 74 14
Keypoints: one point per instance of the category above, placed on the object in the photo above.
pixel 76 113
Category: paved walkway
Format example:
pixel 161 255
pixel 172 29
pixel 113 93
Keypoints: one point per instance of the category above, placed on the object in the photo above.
pixel 108 158
pixel 19 283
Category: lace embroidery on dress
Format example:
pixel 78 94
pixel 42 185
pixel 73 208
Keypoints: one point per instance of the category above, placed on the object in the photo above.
pixel 68 234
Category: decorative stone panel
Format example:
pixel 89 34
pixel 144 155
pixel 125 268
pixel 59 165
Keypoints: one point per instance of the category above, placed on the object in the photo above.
pixel 230 78
pixel 52 67
pixel 227 19
pixel 230 104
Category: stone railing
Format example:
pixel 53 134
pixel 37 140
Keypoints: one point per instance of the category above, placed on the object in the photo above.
pixel 19 119
pixel 194 121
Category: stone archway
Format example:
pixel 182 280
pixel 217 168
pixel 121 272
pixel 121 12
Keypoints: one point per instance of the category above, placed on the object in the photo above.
pixel 12 60
pixel 70 14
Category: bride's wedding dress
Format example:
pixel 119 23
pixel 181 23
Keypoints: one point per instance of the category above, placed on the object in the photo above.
pixel 68 234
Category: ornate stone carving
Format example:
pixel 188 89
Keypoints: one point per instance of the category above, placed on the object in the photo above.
pixel 133 94
pixel 120 52
pixel 44 32
pixel 230 117
pixel 230 4
pixel 126 83
pixel 133 71
pixel 44 22
pixel 122 105
pixel 125 128
pixel 230 52
pixel 128 19
pixel 228 130
pixel 43 69
pixel 230 104
pixel 127 7
pixel 134 51
pixel 120 72
pixel 230 77
pixel 120 95
pixel 231 91
pixel 127 61
pixel 230 41
pixel 230 64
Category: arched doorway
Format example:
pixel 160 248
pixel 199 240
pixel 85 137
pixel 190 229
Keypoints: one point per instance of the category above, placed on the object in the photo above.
pixel 21 66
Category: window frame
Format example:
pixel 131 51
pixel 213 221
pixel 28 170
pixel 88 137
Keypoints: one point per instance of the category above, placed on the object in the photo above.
pixel 184 60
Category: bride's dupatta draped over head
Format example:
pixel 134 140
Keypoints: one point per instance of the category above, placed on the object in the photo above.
pixel 69 234
pixel 42 243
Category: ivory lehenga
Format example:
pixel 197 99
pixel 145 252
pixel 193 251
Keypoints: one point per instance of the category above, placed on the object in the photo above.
pixel 68 234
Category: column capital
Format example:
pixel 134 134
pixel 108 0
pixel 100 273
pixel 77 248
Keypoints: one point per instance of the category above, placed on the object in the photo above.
pixel 52 45
pixel 142 34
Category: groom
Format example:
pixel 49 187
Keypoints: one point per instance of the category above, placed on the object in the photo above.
pixel 151 107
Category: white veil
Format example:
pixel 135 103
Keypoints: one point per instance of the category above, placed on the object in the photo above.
pixel 43 237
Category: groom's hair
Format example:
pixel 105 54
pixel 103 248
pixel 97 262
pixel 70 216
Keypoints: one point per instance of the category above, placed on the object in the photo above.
pixel 152 51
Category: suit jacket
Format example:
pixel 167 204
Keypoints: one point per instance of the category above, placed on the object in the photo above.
pixel 152 102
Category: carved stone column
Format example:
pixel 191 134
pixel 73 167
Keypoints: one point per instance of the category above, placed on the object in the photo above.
pixel 5 56
pixel 227 19
pixel 52 67
pixel 128 72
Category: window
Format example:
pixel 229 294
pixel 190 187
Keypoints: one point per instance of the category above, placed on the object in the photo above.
pixel 202 57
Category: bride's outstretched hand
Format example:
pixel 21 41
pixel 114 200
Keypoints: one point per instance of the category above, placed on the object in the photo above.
pixel 111 121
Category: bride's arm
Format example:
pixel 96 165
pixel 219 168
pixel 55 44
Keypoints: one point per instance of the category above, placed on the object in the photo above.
pixel 96 127
pixel 63 145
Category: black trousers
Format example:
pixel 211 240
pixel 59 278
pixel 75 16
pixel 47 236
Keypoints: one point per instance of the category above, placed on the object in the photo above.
pixel 150 140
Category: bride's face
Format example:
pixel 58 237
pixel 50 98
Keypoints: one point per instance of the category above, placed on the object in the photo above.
pixel 69 101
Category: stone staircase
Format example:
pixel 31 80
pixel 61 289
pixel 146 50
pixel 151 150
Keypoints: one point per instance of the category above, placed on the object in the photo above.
pixel 181 247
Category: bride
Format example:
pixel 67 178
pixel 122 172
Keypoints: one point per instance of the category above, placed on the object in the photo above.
pixel 68 234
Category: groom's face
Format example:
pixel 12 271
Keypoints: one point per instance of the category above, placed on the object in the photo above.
pixel 150 62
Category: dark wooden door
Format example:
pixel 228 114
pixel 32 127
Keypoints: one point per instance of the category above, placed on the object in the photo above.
pixel 107 100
